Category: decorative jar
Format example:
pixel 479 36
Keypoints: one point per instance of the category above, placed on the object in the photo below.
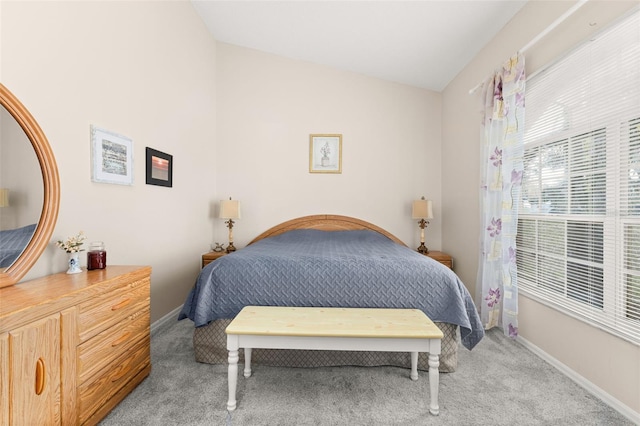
pixel 96 256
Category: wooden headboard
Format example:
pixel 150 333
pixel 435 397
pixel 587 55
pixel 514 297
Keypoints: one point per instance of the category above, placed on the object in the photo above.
pixel 325 222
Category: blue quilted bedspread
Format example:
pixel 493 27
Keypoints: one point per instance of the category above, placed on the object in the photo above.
pixel 13 242
pixel 332 268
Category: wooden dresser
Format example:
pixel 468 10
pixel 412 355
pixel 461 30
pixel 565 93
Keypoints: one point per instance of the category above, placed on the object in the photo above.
pixel 73 346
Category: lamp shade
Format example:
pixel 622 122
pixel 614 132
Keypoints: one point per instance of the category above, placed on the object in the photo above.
pixel 230 209
pixel 4 197
pixel 422 209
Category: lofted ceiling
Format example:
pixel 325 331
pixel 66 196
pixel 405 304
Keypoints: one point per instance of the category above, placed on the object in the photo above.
pixel 422 43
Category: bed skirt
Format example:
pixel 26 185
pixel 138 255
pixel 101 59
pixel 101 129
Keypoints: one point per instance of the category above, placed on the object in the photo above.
pixel 210 345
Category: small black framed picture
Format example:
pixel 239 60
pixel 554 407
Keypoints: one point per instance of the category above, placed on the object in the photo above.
pixel 159 168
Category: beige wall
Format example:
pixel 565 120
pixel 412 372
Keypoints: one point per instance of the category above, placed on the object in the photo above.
pixel 268 105
pixel 610 363
pixel 142 69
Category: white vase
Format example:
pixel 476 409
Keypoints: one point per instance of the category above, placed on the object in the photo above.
pixel 74 263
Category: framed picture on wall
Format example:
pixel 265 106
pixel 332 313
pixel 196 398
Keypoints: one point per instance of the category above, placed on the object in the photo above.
pixel 325 153
pixel 159 168
pixel 111 157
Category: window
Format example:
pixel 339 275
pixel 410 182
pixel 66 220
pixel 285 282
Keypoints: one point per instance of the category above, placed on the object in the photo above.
pixel 579 223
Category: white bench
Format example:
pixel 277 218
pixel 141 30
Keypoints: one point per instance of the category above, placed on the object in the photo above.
pixel 346 329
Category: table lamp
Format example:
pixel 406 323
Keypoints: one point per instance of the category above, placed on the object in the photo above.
pixel 422 210
pixel 4 197
pixel 230 209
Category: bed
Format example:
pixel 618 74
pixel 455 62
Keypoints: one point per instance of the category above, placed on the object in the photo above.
pixel 329 260
pixel 13 243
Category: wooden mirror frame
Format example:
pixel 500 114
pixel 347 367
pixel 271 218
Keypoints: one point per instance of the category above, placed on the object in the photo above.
pixel 51 202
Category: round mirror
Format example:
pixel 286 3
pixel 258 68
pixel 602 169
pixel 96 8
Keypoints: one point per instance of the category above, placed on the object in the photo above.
pixel 34 241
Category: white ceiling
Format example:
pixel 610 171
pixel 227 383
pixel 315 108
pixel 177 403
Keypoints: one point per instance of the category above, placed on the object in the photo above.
pixel 423 43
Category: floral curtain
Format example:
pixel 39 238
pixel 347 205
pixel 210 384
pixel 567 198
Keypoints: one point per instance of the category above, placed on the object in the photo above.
pixel 501 172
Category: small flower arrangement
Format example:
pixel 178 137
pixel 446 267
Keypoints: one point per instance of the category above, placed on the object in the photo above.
pixel 73 244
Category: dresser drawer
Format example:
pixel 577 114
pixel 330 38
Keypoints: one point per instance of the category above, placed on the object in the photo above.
pixel 96 391
pixel 447 263
pixel 441 257
pixel 96 353
pixel 107 309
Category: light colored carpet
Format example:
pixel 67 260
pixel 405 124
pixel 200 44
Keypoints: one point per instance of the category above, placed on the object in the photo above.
pixel 498 383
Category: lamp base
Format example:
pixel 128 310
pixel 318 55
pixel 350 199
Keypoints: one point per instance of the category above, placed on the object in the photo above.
pixel 230 248
pixel 423 249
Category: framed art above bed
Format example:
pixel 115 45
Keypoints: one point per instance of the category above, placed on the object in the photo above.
pixel 325 153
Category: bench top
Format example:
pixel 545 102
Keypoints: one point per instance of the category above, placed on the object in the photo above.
pixel 334 322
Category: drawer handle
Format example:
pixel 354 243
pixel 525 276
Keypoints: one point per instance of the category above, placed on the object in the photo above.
pixel 122 304
pixel 40 376
pixel 121 339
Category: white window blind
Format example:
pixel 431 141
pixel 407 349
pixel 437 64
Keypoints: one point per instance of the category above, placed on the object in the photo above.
pixel 579 224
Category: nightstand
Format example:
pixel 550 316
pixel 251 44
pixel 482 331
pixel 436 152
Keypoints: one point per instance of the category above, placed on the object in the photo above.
pixel 207 258
pixel 441 257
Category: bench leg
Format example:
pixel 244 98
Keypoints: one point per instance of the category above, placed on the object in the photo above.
pixel 414 365
pixel 233 379
pixel 434 383
pixel 247 362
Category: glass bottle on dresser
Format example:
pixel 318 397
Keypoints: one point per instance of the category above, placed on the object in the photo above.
pixel 96 256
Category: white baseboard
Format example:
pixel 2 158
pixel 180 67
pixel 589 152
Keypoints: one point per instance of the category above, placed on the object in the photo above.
pixel 608 399
pixel 171 316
